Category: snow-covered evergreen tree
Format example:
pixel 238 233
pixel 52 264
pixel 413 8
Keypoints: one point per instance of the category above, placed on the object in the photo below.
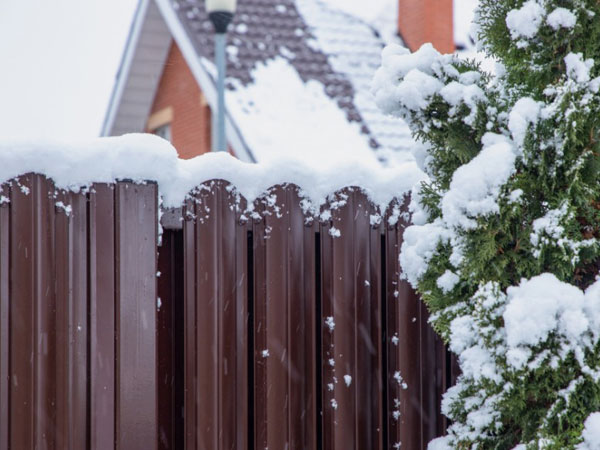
pixel 505 245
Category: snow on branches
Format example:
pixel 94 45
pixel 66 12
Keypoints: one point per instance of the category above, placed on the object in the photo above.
pixel 505 242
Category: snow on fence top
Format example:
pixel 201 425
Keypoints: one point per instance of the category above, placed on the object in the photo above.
pixel 145 157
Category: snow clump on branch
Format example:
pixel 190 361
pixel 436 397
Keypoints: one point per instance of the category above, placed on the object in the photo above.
pixel 505 242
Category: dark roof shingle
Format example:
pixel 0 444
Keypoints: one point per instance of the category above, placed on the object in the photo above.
pixel 263 30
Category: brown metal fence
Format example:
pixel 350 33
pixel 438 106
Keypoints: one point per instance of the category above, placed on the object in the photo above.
pixel 243 331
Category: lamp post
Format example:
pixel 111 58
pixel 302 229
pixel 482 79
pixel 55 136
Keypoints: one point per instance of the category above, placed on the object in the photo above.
pixel 220 13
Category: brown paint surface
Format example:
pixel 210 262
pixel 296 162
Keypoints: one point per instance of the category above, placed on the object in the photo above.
pixel 169 337
pixel 216 390
pixel 89 360
pixel 135 316
pixel 353 407
pixel 284 325
pixel 71 322
pixel 32 329
pixel 4 319
pixel 102 316
pixel 57 300
pixel 416 357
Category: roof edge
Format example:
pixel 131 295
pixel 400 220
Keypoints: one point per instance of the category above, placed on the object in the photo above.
pixel 124 67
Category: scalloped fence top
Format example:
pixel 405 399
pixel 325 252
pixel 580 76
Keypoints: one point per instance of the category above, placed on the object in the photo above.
pixel 148 158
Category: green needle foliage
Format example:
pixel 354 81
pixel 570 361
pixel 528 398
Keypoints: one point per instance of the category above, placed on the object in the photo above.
pixel 505 243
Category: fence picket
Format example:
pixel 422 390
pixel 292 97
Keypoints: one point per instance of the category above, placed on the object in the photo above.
pixel 404 351
pixel 189 281
pixel 275 331
pixel 102 315
pixel 351 327
pixel 219 298
pixel 136 387
pixel 170 341
pixel 71 320
pixel 4 315
pixel 284 322
pixel 33 378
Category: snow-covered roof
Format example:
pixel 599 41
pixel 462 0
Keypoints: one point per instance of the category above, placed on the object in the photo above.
pixel 464 35
pixel 463 18
pixel 299 74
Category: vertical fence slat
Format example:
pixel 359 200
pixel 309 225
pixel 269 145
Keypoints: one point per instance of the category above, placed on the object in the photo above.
pixel 428 368
pixel 260 343
pixel 164 337
pixel 308 404
pixel 221 321
pixel 232 334
pixel 169 341
pixel 284 326
pixel 302 316
pixel 442 384
pixel 136 237
pixel 417 365
pixel 63 234
pixel 45 306
pixel 270 351
pixel 371 331
pixel 351 329
pixel 340 324
pixel 393 412
pixel 404 352
pixel 433 355
pixel 32 326
pixel 72 324
pixel 239 299
pixel 189 279
pixel 4 315
pixel 210 358
pixel 102 316
pixel 80 331
pixel 327 353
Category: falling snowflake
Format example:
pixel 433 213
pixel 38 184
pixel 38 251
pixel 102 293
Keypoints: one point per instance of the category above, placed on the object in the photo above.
pixel 330 323
pixel 400 380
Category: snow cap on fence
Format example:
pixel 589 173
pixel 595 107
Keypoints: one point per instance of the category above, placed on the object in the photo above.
pixel 146 157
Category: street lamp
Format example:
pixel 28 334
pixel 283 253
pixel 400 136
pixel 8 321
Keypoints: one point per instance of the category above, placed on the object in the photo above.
pixel 220 13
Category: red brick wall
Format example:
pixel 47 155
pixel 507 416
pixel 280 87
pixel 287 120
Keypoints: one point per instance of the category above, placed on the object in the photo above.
pixel 190 128
pixel 421 21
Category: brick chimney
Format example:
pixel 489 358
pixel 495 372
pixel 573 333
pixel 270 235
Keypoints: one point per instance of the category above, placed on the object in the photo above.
pixel 421 21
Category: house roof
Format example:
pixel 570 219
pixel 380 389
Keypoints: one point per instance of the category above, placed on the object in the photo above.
pixel 299 74
pixel 145 53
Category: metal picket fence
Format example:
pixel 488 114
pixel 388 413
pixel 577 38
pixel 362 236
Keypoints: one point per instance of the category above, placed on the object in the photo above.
pixel 272 329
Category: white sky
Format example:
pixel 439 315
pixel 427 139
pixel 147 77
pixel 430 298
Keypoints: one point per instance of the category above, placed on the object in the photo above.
pixel 58 61
pixel 59 58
